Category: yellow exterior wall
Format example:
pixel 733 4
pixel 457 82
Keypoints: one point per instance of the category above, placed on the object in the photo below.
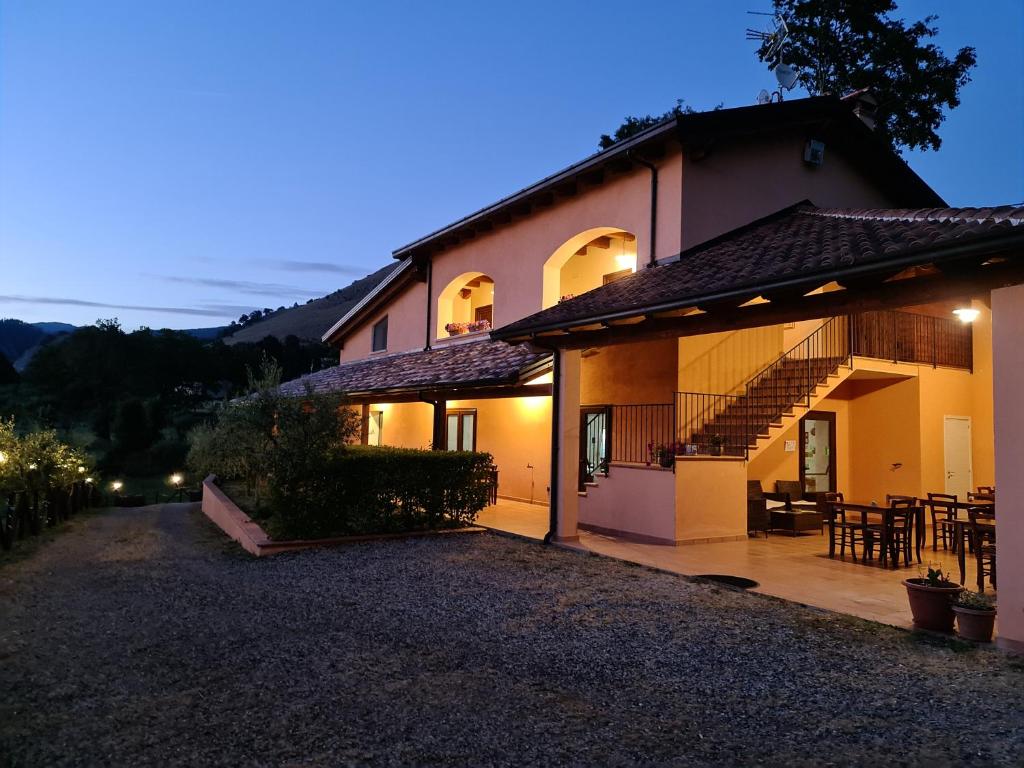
pixel 406 425
pixel 776 463
pixel 628 374
pixel 722 363
pixel 516 431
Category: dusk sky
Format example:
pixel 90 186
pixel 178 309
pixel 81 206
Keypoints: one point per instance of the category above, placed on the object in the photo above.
pixel 176 164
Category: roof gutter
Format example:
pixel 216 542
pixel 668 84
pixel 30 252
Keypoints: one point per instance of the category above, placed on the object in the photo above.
pixel 989 247
pixel 632 155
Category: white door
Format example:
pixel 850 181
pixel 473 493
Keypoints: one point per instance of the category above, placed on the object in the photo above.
pixel 959 475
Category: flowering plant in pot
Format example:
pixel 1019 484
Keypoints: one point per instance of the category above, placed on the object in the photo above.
pixel 975 616
pixel 456 329
pixel 715 443
pixel 931 600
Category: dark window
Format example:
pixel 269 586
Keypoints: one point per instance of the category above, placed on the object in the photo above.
pixel 380 335
pixel 460 430
pixel 484 313
pixel 612 277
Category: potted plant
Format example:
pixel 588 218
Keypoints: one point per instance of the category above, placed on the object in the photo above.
pixel 665 454
pixel 975 616
pixel 456 329
pixel 931 600
pixel 715 443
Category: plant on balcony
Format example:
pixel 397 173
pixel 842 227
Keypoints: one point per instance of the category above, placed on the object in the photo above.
pixel 715 443
pixel 566 297
pixel 456 329
pixel 479 325
pixel 664 453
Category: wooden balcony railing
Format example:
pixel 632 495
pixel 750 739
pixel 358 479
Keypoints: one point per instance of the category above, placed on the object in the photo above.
pixel 904 337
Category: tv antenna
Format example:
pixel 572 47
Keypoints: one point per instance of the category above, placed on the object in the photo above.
pixel 774 42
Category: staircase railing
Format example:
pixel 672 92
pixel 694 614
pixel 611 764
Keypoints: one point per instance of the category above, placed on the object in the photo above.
pixel 728 425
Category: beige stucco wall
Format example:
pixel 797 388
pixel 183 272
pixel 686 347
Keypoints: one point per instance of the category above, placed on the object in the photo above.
pixel 628 374
pixel 407 317
pixel 722 363
pixel 983 423
pixel 650 514
pixel 739 181
pixel 406 425
pixel 711 499
pixel 516 431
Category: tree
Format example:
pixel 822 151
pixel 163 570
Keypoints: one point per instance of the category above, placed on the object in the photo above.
pixel 631 126
pixel 7 373
pixel 838 46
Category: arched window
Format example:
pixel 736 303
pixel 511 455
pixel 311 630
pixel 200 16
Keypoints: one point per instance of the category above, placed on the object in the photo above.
pixel 466 305
pixel 588 260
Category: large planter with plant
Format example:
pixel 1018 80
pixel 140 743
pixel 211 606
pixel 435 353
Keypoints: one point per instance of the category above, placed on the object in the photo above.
pixel 975 616
pixel 715 443
pixel 931 600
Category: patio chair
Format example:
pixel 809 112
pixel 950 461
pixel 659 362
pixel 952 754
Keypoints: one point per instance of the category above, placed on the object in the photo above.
pixel 850 528
pixel 900 533
pixel 795 496
pixel 984 543
pixel 758 516
pixel 942 507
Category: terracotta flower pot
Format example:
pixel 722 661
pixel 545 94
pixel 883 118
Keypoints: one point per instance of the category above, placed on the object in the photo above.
pixel 932 607
pixel 974 625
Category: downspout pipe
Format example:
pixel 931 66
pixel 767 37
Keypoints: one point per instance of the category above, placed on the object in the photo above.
pixel 632 155
pixel 556 406
pixel 430 294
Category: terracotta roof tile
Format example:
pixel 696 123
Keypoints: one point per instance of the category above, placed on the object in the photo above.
pixel 471 363
pixel 802 242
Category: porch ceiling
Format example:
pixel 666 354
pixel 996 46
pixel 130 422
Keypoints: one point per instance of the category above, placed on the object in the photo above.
pixel 880 258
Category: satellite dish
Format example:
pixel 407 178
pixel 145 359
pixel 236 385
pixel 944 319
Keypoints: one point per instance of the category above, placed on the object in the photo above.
pixel 786 75
pixel 764 97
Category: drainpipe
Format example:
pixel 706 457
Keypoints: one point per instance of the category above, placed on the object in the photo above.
pixel 654 201
pixel 556 406
pixel 430 292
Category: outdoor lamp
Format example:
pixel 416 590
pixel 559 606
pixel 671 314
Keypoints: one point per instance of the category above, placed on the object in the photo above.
pixel 966 314
pixel 88 480
pixel 117 485
pixel 3 457
pixel 33 465
pixel 81 470
pixel 176 479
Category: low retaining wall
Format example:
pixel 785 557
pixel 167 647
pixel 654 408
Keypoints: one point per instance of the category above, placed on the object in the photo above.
pixel 254 540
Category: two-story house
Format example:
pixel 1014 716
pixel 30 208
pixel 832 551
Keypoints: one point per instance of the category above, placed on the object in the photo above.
pixel 754 294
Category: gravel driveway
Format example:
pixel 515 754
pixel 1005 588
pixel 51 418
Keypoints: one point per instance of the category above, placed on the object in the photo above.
pixel 141 637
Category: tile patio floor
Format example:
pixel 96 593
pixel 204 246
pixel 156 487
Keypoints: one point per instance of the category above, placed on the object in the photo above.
pixel 793 568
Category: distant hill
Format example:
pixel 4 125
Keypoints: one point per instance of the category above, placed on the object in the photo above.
pixel 310 321
pixel 18 337
pixel 205 334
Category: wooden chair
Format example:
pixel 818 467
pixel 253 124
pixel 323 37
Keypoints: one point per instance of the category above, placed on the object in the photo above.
pixel 824 503
pixel 850 528
pixel 942 507
pixel 900 532
pixel 983 540
pixel 758 516
pixel 984 493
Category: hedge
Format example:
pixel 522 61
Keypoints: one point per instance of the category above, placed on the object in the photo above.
pixel 366 490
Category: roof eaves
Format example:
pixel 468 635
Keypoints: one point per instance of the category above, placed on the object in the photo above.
pixel 366 300
pixel 1003 241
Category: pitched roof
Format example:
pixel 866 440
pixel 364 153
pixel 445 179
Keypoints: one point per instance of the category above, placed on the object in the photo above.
pixel 464 365
pixel 829 114
pixel 801 246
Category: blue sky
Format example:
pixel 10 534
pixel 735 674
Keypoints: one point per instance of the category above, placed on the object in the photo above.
pixel 175 164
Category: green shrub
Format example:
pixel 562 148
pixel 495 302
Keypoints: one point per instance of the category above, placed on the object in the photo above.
pixel 362 490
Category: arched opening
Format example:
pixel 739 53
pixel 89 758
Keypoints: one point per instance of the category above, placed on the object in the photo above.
pixel 466 305
pixel 590 259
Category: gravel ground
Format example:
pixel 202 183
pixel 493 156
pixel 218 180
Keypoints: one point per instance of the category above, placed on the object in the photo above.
pixel 141 637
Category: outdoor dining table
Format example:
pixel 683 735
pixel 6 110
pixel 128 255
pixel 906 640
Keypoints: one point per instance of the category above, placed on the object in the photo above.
pixel 886 515
pixel 962 534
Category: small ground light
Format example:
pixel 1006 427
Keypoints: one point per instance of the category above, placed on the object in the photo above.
pixel 81 470
pixel 3 457
pixel 176 480
pixel 88 480
pixel 117 485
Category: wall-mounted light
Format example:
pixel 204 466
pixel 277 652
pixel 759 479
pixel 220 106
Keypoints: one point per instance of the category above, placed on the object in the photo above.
pixel 966 314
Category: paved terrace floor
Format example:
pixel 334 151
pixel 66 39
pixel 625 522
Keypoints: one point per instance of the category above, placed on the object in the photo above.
pixel 793 568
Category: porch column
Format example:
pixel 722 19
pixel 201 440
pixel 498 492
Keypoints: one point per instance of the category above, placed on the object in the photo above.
pixel 565 458
pixel 1008 407
pixel 437 441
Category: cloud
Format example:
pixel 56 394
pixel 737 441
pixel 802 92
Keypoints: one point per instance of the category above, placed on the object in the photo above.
pixel 204 310
pixel 242 286
pixel 291 265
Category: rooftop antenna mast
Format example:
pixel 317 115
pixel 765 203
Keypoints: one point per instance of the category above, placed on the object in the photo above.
pixel 774 42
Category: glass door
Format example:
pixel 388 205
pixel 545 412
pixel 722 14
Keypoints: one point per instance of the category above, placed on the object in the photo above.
pixel 818 452
pixel 593 443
